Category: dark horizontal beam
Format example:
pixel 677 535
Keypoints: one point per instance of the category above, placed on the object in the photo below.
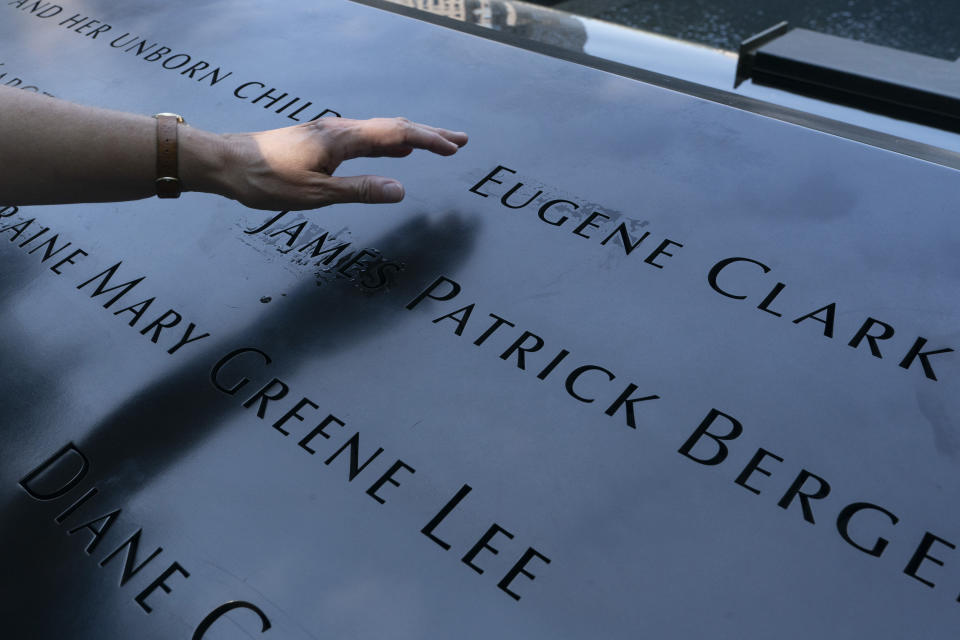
pixel 895 83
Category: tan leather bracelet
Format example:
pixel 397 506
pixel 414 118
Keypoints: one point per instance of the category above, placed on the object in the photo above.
pixel 168 176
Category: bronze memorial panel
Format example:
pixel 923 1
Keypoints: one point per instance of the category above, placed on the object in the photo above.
pixel 634 363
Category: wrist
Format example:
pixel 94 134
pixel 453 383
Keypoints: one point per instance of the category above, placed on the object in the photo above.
pixel 203 161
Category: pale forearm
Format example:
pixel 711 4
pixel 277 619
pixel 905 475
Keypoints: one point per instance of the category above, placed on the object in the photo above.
pixel 54 152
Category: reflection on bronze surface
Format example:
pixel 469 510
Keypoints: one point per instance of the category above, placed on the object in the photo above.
pixel 529 21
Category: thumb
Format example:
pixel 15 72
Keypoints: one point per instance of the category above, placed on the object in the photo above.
pixel 370 189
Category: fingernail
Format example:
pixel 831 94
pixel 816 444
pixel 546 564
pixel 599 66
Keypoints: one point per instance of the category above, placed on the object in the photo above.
pixel 393 192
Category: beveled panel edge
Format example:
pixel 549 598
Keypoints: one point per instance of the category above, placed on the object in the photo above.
pixel 886 141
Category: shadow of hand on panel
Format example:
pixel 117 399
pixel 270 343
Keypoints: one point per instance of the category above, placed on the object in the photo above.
pixel 164 421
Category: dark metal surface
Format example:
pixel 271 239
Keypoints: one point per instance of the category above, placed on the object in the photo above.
pixel 642 540
pixel 853 124
pixel 639 52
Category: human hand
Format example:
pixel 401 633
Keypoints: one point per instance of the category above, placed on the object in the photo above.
pixel 292 168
